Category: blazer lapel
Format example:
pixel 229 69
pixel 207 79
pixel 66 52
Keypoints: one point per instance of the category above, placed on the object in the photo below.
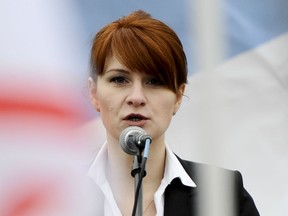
pixel 180 199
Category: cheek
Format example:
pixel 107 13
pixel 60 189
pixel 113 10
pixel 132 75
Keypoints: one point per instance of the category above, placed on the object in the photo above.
pixel 106 104
pixel 166 106
pixel 109 103
pixel 106 111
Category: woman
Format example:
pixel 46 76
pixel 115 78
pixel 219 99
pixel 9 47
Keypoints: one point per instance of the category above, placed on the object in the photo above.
pixel 138 77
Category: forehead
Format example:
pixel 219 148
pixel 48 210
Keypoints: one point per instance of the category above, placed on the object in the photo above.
pixel 112 62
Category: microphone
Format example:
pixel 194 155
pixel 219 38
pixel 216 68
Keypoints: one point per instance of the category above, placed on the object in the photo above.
pixel 132 139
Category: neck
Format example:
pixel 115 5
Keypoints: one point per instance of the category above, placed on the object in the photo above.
pixel 120 163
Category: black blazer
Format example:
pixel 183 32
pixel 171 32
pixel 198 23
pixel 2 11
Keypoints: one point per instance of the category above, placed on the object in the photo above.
pixel 184 201
pixel 181 200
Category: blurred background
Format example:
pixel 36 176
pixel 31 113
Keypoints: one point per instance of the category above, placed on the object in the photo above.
pixel 234 115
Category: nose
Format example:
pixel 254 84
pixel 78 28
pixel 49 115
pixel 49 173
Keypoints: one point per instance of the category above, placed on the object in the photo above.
pixel 136 96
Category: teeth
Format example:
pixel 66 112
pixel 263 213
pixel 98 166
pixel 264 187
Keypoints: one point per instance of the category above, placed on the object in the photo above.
pixel 135 119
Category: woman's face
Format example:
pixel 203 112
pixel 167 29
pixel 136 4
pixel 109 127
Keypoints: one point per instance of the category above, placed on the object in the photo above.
pixel 128 98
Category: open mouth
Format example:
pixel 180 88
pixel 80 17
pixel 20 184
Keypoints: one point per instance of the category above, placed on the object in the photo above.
pixel 135 117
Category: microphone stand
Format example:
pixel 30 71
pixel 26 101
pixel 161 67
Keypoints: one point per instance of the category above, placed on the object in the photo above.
pixel 136 168
pixel 138 172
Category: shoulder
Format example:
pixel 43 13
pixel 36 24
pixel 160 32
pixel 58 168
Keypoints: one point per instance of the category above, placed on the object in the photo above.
pixel 195 170
pixel 202 174
pixel 222 181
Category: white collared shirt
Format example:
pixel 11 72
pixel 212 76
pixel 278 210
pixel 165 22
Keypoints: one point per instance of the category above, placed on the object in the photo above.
pixel 173 169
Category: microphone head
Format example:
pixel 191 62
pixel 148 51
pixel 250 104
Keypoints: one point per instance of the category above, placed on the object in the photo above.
pixel 127 139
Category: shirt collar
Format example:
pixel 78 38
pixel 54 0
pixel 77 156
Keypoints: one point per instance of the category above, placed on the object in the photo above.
pixel 174 169
pixel 97 170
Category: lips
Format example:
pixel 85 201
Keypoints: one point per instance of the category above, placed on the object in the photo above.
pixel 135 119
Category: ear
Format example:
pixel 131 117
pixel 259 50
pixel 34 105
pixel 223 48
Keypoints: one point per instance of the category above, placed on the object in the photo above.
pixel 93 93
pixel 179 98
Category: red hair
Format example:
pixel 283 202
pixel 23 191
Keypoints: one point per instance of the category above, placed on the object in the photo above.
pixel 141 43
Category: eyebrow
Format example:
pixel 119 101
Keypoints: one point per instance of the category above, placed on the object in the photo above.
pixel 118 70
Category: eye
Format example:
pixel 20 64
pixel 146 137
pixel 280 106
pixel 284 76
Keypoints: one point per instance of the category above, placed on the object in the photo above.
pixel 155 82
pixel 119 80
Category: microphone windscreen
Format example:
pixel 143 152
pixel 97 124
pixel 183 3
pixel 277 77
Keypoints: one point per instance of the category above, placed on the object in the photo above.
pixel 127 139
